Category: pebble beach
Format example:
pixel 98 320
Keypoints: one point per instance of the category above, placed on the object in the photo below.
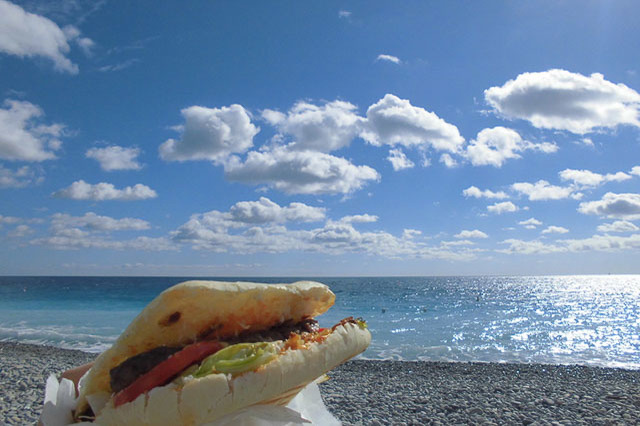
pixel 363 392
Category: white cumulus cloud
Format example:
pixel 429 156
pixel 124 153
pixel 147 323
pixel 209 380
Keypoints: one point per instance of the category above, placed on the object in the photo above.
pixel 530 223
pixel 617 206
pixel 300 172
pixel 115 157
pixel 618 226
pixel 448 160
pixel 26 34
pixel 264 210
pixel 219 231
pixel 475 192
pixel 211 134
pixel 297 160
pixel 503 207
pixel 394 121
pixel 390 121
pixel 562 100
pixel 318 128
pixel 399 160
pixel 22 138
pixel 359 218
pixel 555 230
pixel 81 190
pixel 471 234
pixel 587 178
pixel 609 243
pixel 542 190
pixel 493 147
pixel 409 234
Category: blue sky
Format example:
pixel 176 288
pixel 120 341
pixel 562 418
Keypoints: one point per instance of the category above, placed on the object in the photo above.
pixel 319 138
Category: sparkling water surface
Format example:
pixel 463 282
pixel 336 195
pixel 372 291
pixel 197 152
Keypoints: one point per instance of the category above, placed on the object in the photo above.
pixel 590 320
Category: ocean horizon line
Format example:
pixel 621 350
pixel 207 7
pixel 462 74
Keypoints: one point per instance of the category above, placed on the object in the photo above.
pixel 320 276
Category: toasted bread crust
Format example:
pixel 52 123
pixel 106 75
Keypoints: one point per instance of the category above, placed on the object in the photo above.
pixel 188 311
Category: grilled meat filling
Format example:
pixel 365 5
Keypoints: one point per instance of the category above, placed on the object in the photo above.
pixel 128 371
pixel 279 332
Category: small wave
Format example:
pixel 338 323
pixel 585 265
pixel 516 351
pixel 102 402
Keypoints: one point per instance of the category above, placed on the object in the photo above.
pixel 64 337
pixel 491 353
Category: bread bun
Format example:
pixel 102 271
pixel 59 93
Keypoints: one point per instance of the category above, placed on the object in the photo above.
pixel 206 399
pixel 191 310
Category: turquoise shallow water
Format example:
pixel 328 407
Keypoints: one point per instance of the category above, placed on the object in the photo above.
pixel 590 320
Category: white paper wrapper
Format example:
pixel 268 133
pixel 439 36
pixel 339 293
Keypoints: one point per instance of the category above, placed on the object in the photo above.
pixel 306 408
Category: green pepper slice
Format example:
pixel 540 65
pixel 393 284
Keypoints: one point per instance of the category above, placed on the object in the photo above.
pixel 237 358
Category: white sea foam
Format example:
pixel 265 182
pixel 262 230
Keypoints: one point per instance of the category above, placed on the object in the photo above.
pixel 65 337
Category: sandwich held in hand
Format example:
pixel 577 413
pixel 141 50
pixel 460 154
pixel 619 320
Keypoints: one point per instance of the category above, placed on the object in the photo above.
pixel 204 349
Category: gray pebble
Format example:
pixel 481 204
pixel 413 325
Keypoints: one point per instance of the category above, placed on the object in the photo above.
pixel 484 393
pixel 395 393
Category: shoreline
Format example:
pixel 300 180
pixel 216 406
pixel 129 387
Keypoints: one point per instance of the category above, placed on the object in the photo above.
pixel 373 392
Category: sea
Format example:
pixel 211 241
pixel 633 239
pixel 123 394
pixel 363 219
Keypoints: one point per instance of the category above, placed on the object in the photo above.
pixel 588 320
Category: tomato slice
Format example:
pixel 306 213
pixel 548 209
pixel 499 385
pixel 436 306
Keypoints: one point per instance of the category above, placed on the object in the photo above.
pixel 163 372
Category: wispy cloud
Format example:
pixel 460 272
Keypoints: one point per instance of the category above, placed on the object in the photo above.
pixel 223 232
pixel 20 177
pixel 608 243
pixel 93 231
pixel 118 66
pixel 81 190
pixel 93 222
pixel 399 160
pixel 388 58
pixel 531 223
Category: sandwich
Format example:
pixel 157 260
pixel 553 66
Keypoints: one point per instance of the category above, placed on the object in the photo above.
pixel 204 349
